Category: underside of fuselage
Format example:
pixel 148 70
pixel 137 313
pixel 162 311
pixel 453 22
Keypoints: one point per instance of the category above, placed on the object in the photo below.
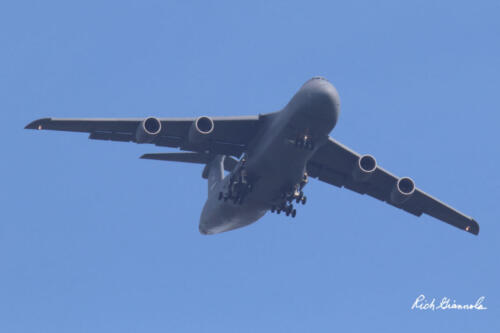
pixel 274 165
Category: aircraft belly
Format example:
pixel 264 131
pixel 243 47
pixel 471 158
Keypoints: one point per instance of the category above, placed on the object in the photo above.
pixel 275 162
pixel 276 168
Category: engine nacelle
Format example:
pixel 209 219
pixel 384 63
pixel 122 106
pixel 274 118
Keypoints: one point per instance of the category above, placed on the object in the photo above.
pixel 201 129
pixel 402 191
pixel 147 130
pixel 365 168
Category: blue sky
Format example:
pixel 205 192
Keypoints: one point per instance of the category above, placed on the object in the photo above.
pixel 92 239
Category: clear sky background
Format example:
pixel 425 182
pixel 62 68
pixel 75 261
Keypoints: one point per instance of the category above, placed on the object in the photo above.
pixel 92 239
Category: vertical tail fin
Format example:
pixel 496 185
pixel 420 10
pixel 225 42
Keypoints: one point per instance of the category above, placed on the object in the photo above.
pixel 215 170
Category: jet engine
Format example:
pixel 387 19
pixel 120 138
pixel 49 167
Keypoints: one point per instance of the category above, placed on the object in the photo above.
pixel 147 130
pixel 402 191
pixel 201 129
pixel 364 168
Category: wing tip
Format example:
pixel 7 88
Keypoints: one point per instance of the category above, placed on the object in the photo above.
pixel 37 124
pixel 473 228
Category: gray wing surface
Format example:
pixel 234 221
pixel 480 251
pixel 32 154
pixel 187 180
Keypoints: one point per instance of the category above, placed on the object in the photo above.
pixel 334 163
pixel 231 135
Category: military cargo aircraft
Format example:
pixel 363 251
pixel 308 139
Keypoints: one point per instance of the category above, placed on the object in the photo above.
pixel 269 159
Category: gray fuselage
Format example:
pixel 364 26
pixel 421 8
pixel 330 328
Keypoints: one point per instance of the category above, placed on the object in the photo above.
pixel 273 163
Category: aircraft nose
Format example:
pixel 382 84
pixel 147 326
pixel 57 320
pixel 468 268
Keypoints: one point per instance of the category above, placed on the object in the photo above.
pixel 323 99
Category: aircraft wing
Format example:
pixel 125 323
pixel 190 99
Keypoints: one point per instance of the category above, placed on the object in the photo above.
pixel 338 165
pixel 230 135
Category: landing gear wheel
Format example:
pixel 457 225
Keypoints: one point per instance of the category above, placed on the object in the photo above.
pixel 287 213
pixel 303 200
pixel 278 211
pixel 294 212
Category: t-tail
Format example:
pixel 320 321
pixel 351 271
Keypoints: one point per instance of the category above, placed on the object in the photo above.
pixel 214 165
pixel 215 169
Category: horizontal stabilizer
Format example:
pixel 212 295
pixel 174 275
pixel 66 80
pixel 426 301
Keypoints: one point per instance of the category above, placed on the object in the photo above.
pixel 229 162
pixel 178 157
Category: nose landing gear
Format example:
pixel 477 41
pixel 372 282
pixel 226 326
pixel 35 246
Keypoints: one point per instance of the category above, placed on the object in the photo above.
pixel 304 142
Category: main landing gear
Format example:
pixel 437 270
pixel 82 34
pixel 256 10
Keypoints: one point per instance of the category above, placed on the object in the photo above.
pixel 287 198
pixel 286 208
